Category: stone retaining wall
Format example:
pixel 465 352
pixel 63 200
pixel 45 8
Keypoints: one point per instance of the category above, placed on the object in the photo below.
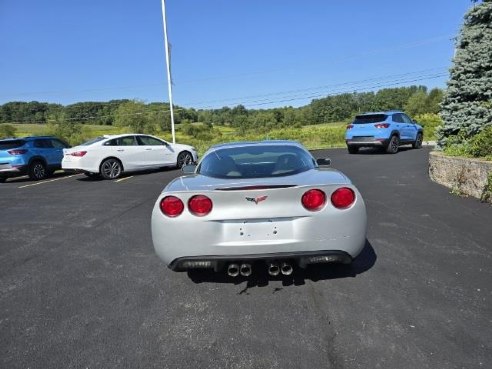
pixel 464 176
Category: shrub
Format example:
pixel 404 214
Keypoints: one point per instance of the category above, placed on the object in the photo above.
pixel 430 122
pixel 7 130
pixel 480 146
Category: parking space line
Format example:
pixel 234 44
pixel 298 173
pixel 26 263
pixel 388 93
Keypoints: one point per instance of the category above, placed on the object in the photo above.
pixel 51 180
pixel 123 179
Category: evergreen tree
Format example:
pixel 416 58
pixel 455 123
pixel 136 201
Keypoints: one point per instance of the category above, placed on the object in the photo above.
pixel 467 105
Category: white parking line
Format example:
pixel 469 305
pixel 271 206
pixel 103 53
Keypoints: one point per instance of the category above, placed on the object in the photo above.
pixel 123 179
pixel 51 180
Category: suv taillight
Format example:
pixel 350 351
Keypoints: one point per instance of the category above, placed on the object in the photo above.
pixel 17 152
pixel 350 126
pixel 382 125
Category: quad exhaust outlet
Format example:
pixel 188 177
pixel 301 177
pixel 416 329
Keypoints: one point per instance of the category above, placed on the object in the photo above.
pixel 245 270
pixel 233 270
pixel 286 268
pixel 273 269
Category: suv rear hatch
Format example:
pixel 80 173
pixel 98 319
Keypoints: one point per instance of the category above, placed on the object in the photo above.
pixel 363 126
pixel 6 145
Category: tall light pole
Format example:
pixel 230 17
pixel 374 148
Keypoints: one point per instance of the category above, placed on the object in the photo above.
pixel 169 84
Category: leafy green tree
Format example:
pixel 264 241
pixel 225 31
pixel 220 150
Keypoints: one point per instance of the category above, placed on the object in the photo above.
pixel 434 100
pixel 417 104
pixel 7 130
pixel 467 105
pixel 134 116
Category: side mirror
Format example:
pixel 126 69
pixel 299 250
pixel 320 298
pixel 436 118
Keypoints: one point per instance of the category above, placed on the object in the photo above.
pixel 323 162
pixel 188 169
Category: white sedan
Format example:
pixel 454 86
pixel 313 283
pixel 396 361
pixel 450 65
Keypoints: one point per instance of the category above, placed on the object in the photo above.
pixel 111 155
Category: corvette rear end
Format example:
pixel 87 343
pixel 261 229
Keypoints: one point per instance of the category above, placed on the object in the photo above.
pixel 312 216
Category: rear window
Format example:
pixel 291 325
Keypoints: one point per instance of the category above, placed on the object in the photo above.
pixel 94 140
pixel 11 144
pixel 256 162
pixel 370 118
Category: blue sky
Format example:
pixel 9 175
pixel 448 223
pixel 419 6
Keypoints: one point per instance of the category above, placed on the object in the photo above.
pixel 259 53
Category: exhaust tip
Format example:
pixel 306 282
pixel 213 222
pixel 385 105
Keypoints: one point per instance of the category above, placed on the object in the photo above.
pixel 233 270
pixel 245 270
pixel 286 268
pixel 273 269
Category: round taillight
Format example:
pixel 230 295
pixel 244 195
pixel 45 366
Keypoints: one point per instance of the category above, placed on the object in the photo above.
pixel 171 206
pixel 313 200
pixel 343 197
pixel 200 205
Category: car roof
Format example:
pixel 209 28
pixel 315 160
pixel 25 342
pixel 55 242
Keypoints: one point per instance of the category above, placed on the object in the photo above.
pixel 24 138
pixel 381 112
pixel 125 134
pixel 255 143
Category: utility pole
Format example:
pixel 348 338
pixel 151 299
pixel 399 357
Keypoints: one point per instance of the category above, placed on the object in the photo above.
pixel 169 81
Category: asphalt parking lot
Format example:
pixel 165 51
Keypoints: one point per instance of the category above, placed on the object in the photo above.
pixel 81 286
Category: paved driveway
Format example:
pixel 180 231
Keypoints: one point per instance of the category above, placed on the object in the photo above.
pixel 80 285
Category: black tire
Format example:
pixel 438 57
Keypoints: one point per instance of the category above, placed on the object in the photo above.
pixel 418 141
pixel 352 149
pixel 184 158
pixel 2 180
pixel 111 168
pixel 393 145
pixel 37 170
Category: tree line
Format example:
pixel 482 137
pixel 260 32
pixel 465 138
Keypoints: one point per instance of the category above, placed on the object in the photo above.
pixel 153 117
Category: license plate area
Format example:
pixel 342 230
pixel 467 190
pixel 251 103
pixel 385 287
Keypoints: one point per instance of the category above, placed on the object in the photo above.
pixel 258 229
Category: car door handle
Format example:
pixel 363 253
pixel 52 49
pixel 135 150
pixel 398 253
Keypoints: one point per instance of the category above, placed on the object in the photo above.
pixel 120 150
pixel 148 149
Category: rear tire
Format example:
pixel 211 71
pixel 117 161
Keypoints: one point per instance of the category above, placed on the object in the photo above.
pixel 393 145
pixel 418 141
pixel 2 180
pixel 37 170
pixel 111 168
pixel 352 149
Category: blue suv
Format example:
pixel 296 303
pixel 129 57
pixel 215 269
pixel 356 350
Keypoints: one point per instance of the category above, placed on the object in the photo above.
pixel 37 157
pixel 387 130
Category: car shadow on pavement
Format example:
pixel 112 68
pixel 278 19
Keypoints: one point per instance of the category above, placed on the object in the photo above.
pixel 26 179
pixel 379 151
pixel 97 177
pixel 318 272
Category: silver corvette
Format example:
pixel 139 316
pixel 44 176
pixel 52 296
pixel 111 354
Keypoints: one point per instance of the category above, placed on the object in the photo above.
pixel 264 203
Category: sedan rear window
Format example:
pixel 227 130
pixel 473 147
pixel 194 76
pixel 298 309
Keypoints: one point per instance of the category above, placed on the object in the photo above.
pixel 11 144
pixel 94 140
pixel 369 118
pixel 256 162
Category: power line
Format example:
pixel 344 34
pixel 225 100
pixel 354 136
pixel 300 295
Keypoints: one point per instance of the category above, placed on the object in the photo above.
pixel 246 74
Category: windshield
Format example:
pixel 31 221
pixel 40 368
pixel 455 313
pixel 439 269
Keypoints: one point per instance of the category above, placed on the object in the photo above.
pixel 258 161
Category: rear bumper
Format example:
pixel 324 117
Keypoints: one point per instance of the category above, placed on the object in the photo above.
pixel 79 166
pixel 375 142
pixel 218 262
pixel 7 170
